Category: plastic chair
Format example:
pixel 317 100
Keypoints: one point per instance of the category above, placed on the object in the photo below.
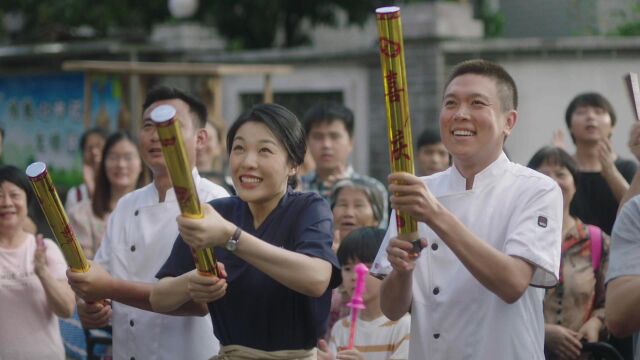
pixel 95 337
pixel 601 351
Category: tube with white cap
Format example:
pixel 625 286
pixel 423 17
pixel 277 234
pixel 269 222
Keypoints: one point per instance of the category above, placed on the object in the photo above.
pixel 175 156
pixel 56 216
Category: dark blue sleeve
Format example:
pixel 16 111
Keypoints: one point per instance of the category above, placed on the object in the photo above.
pixel 313 234
pixel 180 260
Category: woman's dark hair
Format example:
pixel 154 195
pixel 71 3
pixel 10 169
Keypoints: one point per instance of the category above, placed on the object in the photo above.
pixel 554 155
pixel 101 201
pixel 361 245
pixel 93 131
pixel 284 125
pixel 10 173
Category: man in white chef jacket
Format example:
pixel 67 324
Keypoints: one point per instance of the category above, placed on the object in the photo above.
pixel 139 236
pixel 492 231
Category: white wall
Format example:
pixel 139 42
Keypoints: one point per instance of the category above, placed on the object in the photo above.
pixel 350 80
pixel 546 87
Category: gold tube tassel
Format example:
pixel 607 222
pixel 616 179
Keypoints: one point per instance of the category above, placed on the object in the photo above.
pixel 175 156
pixel 56 216
pixel 396 99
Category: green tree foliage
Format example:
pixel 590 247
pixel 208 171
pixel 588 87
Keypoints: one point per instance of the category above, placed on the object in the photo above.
pixel 253 24
pixel 632 26
pixel 246 24
pixel 630 29
pixel 58 20
pixel 493 24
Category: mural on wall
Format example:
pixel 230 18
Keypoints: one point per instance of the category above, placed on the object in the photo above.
pixel 42 116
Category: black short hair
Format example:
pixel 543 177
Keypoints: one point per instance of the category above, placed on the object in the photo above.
pixel 284 125
pixel 429 136
pixel 361 244
pixel 163 92
pixel 93 131
pixel 554 155
pixel 10 173
pixel 327 112
pixel 593 99
pixel 507 90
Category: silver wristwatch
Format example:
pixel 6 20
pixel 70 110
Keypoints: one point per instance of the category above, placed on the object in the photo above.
pixel 232 243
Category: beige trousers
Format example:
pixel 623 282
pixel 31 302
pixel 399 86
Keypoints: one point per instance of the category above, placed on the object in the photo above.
pixel 239 352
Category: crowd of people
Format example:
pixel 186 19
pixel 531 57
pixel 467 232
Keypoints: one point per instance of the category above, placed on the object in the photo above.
pixel 510 261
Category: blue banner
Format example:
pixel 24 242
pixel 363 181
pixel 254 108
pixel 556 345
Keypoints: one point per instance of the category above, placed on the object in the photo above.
pixel 42 116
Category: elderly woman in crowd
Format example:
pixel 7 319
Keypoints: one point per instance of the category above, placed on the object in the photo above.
pixel 355 204
pixel 33 285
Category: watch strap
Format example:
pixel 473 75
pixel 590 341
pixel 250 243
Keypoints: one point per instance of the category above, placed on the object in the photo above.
pixel 236 234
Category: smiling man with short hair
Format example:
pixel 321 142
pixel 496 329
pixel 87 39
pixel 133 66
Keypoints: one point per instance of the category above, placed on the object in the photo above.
pixel 493 229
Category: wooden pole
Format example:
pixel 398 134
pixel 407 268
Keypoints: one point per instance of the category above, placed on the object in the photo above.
pixel 268 90
pixel 86 107
pixel 215 88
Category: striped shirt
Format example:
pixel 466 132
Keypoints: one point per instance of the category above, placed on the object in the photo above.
pixel 379 339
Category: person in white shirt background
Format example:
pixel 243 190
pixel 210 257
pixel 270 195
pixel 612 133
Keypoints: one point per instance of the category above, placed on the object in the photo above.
pixel 138 240
pixel 493 229
pixel 91 144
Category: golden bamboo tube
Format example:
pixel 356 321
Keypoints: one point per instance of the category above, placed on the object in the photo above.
pixel 175 156
pixel 56 216
pixel 396 100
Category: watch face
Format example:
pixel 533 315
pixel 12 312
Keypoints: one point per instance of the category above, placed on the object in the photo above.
pixel 231 245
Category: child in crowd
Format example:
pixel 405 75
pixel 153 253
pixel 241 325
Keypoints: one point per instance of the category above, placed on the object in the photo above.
pixel 432 156
pixel 376 336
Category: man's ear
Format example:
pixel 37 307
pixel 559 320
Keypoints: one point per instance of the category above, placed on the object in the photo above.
pixel 202 138
pixel 512 118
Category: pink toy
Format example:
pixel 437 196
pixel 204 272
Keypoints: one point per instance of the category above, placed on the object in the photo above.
pixel 356 303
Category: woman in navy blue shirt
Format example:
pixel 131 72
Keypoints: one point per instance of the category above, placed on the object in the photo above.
pixel 273 298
